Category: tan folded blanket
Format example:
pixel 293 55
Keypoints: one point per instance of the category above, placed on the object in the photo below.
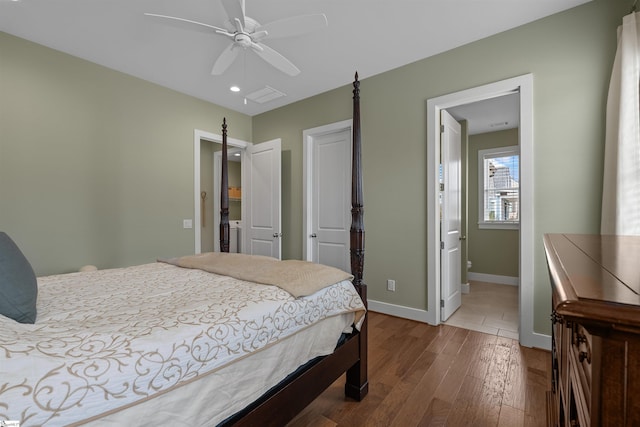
pixel 299 278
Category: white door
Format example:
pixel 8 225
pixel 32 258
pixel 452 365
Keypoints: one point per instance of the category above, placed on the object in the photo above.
pixel 450 223
pixel 330 202
pixel 262 229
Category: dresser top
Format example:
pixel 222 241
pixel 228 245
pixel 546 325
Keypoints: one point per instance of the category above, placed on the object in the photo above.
pixel 595 276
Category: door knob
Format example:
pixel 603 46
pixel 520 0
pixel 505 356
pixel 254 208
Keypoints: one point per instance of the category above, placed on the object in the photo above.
pixel 314 235
pixel 276 235
pixel 462 238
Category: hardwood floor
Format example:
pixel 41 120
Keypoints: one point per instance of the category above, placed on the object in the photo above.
pixel 421 375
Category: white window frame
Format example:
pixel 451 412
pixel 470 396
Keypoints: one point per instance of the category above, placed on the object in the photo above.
pixel 513 150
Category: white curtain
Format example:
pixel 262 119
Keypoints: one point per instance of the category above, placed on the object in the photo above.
pixel 621 187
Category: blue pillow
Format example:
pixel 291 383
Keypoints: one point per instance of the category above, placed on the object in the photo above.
pixel 18 283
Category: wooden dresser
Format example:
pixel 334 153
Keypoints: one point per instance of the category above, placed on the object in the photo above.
pixel 596 330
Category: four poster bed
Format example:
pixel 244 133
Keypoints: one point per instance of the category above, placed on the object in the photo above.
pixel 209 339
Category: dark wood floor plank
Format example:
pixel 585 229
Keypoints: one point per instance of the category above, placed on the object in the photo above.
pixel 488 410
pixel 480 364
pixel 462 354
pixel 515 387
pixel 420 375
pixel 391 406
pixel 466 404
pixel 510 417
pixel 441 339
pixel 416 404
pixel 436 414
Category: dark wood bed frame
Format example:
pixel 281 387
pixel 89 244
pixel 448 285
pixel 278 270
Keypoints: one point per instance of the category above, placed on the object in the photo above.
pixel 294 394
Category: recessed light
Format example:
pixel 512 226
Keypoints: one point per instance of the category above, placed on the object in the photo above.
pixel 234 89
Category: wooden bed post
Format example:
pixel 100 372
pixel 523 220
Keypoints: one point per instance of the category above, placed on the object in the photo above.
pixel 276 408
pixel 357 384
pixel 224 194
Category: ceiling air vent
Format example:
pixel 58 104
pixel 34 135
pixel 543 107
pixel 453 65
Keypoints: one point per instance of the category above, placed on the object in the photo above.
pixel 265 95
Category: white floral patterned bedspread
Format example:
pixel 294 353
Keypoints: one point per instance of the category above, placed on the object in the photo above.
pixel 110 338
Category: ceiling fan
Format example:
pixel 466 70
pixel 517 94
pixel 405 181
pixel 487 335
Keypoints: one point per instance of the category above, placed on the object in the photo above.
pixel 246 32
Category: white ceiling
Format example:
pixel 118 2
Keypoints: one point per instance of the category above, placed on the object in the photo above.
pixel 490 115
pixel 370 36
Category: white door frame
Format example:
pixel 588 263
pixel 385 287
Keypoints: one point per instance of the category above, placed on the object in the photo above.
pixel 523 84
pixel 199 135
pixel 307 167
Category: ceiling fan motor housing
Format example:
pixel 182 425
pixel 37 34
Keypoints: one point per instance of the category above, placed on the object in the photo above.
pixel 242 39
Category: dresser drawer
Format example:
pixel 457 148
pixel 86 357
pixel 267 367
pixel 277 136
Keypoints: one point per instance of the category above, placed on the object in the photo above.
pixel 582 357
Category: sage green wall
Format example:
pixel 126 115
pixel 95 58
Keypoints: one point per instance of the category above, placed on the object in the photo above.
pixel 491 251
pixel 570 55
pixel 96 167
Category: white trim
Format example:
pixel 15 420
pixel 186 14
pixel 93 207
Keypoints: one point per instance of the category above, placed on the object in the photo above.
pixel 493 278
pixel 523 84
pixel 199 135
pixel 540 341
pixel 398 311
pixel 464 288
pixel 307 167
pixel 498 225
pixel 537 340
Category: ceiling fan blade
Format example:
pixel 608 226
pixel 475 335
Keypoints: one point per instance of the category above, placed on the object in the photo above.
pixel 188 24
pixel 235 10
pixel 258 35
pixel 225 59
pixel 277 60
pixel 295 25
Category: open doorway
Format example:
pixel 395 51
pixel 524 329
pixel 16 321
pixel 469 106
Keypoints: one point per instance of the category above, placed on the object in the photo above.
pixel 490 216
pixel 524 86
pixel 210 178
pixel 207 193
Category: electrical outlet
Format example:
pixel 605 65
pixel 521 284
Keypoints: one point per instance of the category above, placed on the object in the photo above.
pixel 391 285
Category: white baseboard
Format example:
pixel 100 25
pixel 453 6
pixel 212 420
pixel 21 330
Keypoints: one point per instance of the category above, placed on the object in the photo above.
pixel 399 311
pixel 533 339
pixel 493 278
pixel 538 341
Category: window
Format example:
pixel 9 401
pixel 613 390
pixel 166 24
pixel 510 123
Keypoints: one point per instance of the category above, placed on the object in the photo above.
pixel 499 187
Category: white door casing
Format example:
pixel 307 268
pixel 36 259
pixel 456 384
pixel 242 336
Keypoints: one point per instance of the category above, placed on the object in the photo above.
pixel 261 226
pixel 327 194
pixel 524 85
pixel 450 229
